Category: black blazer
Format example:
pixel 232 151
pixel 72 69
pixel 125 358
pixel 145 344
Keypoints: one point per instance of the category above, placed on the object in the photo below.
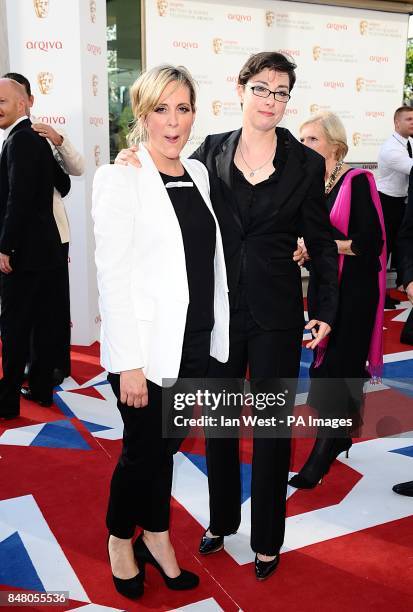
pixel 298 209
pixel 28 175
pixel 405 239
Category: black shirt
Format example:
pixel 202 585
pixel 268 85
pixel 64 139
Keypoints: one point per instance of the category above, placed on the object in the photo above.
pixel 251 199
pixel 199 238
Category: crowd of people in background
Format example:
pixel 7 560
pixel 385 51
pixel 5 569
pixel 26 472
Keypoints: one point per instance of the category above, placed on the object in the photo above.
pixel 199 277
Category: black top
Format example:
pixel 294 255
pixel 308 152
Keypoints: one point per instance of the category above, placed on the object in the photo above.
pixel 199 238
pixel 251 200
pixel 364 230
pixel 297 208
pixel 364 226
pixel 349 341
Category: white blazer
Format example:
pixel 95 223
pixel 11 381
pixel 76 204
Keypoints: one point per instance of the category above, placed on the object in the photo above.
pixel 142 278
pixel 73 164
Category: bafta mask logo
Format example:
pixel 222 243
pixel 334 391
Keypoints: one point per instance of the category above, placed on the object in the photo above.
pixel 42 8
pixel 356 138
pixel 217 45
pixel 360 84
pixel 316 53
pixel 162 7
pixel 269 18
pixel 45 82
pixel 216 107
pixel 364 26
pixel 314 108
pixel 95 84
pixel 92 9
pixel 96 152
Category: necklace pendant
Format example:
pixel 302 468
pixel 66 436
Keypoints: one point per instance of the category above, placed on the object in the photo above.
pixel 252 174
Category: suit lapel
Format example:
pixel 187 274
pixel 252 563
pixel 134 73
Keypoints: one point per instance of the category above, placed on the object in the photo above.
pixel 224 159
pixel 158 208
pixel 293 174
pixel 200 184
pixel 223 165
pixel 22 124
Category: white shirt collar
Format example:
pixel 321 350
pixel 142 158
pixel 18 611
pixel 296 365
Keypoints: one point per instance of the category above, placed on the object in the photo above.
pixel 7 131
pixel 401 138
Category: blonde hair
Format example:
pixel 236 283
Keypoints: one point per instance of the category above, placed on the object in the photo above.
pixel 146 91
pixel 333 130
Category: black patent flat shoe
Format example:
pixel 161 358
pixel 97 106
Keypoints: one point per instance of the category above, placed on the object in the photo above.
pixel 210 545
pixel 186 580
pixel 264 569
pixel 28 395
pixel 404 488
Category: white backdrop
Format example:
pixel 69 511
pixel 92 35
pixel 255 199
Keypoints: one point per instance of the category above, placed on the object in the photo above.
pixel 60 46
pixel 349 61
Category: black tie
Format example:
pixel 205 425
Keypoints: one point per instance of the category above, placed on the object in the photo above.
pixel 409 149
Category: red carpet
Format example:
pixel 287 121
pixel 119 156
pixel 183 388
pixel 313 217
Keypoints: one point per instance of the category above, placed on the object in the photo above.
pixel 55 471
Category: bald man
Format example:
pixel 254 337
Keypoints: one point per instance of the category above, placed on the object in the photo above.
pixel 30 250
pixel 73 164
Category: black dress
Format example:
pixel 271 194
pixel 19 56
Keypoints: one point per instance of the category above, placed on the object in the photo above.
pixel 337 384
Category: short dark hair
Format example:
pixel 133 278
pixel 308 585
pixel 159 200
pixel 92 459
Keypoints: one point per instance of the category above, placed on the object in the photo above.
pixel 267 59
pixel 402 109
pixel 15 76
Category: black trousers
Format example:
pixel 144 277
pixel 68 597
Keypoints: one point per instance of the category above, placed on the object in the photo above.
pixel 269 354
pixel 393 212
pixel 62 328
pixel 27 307
pixel 140 490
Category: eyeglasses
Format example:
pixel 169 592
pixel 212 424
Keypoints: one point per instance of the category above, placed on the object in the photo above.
pixel 263 92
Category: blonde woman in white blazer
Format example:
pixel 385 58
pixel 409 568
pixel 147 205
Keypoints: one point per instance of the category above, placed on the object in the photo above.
pixel 164 308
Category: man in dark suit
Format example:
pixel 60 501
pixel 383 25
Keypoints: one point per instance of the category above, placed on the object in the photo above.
pixel 405 253
pixel 30 251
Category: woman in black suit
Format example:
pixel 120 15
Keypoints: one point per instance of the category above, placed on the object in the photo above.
pixel 266 189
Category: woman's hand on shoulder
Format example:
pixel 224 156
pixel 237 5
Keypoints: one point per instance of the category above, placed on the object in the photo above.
pixel 127 157
pixel 133 388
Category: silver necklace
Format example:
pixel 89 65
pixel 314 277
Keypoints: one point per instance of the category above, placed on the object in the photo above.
pixel 329 184
pixel 253 171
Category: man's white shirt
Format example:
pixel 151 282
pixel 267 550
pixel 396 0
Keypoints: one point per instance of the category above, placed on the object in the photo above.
pixel 394 165
pixel 7 131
